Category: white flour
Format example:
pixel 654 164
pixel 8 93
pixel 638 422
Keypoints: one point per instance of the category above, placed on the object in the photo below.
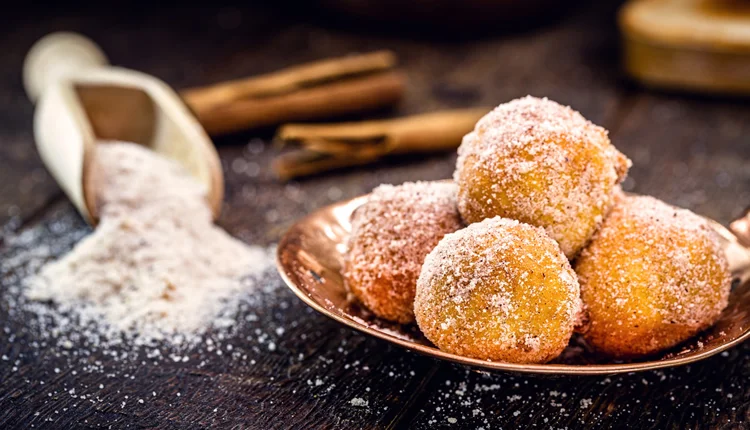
pixel 156 265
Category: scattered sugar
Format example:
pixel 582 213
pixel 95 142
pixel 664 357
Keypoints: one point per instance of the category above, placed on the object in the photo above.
pixel 359 402
pixel 156 265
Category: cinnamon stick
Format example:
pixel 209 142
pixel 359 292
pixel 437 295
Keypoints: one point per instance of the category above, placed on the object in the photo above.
pixel 324 147
pixel 311 91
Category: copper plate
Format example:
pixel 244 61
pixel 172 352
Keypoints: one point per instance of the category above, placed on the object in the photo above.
pixel 310 256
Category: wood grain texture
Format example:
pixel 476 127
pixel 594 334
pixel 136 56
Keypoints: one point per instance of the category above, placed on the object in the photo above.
pixel 689 151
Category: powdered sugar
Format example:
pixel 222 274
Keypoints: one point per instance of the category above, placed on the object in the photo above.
pixel 155 265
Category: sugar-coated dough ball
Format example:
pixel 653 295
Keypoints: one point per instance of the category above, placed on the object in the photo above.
pixel 391 235
pixel 498 290
pixel 652 276
pixel 541 163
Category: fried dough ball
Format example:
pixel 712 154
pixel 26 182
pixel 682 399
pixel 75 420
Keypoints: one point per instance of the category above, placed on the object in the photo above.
pixel 543 164
pixel 391 235
pixel 498 290
pixel 652 276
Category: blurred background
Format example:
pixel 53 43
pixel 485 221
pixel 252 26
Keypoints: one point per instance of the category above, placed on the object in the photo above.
pixel 454 54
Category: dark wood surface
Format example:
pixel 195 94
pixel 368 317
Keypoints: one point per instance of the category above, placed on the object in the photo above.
pixel 694 152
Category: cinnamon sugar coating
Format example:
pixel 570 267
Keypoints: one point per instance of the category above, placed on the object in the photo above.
pixel 391 235
pixel 541 163
pixel 498 290
pixel 652 276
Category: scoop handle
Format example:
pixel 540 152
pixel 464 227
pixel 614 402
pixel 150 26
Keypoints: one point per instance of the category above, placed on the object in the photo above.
pixel 56 56
pixel 741 228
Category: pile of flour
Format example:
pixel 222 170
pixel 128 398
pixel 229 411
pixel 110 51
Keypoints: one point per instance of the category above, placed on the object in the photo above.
pixel 156 265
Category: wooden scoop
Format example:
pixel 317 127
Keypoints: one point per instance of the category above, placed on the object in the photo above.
pixel 81 100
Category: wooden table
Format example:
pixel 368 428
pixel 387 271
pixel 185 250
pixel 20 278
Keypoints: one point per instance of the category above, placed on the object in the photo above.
pixel 690 151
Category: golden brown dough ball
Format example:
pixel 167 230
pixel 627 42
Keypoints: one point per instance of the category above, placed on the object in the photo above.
pixel 498 290
pixel 543 164
pixel 652 276
pixel 391 235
